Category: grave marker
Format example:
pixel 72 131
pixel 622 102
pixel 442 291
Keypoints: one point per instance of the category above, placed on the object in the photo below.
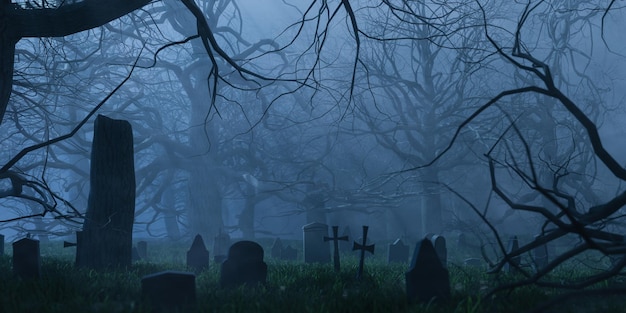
pixel 514 262
pixel 427 278
pixel 289 253
pixel 277 249
pixel 336 240
pixel 221 243
pixel 198 255
pixel 398 252
pixel 439 243
pixel 363 247
pixel 169 291
pixel 244 265
pixel 1 244
pixel 26 258
pixel 315 248
pixel 540 256
pixel 142 250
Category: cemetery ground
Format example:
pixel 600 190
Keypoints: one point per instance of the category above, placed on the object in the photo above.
pixel 292 286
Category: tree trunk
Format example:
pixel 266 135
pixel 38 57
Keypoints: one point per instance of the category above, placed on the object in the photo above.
pixel 106 240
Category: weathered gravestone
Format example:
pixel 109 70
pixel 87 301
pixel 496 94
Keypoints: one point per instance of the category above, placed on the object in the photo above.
pixel 277 249
pixel 106 239
pixel 142 250
pixel 1 244
pixel 198 255
pixel 26 258
pixel 315 248
pixel 363 246
pixel 439 242
pixel 398 252
pixel 336 240
pixel 244 265
pixel 514 262
pixel 221 243
pixel 427 278
pixel 540 256
pixel 289 253
pixel 169 291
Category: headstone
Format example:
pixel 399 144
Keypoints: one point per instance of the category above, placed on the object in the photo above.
pixel 398 252
pixel 277 249
pixel 142 250
pixel 221 243
pixel 315 248
pixel 427 278
pixel 134 255
pixel 540 256
pixel 346 246
pixel 244 265
pixel 289 253
pixel 198 255
pixel 514 262
pixel 439 242
pixel 363 247
pixel 169 291
pixel 26 258
pixel 336 240
pixel 1 244
pixel 106 239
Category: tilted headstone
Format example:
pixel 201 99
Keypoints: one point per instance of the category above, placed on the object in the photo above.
pixel 335 238
pixel 540 256
pixel 363 246
pixel 198 255
pixel 427 278
pixel 244 265
pixel 315 248
pixel 26 259
pixel 221 243
pixel 106 239
pixel 439 242
pixel 1 244
pixel 347 245
pixel 514 262
pixel 277 249
pixel 142 250
pixel 398 252
pixel 289 253
pixel 169 291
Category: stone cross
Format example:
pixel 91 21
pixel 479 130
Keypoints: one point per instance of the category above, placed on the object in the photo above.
pixel 335 238
pixel 363 247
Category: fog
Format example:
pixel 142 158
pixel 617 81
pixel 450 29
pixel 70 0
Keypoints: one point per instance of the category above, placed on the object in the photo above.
pixel 284 113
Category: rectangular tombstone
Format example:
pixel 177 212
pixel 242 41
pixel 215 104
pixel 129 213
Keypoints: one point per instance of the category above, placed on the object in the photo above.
pixel 277 249
pixel 427 279
pixel 398 252
pixel 514 262
pixel 540 256
pixel 26 259
pixel 315 248
pixel 439 242
pixel 221 243
pixel 289 254
pixel 142 250
pixel 169 291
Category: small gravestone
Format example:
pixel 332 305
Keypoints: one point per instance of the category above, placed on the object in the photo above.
pixel 345 246
pixel 142 250
pixel 1 244
pixel 169 291
pixel 315 248
pixel 221 243
pixel 398 252
pixel 244 265
pixel 439 242
pixel 134 255
pixel 363 246
pixel 277 249
pixel 336 239
pixel 198 255
pixel 427 278
pixel 26 259
pixel 514 262
pixel 540 256
pixel 289 253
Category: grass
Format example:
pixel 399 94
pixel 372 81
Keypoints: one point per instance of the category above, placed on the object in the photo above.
pixel 291 287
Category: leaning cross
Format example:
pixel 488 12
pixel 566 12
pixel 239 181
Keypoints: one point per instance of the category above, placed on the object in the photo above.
pixel 335 240
pixel 363 247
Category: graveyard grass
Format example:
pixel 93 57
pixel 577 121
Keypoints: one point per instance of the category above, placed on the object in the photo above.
pixel 291 287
